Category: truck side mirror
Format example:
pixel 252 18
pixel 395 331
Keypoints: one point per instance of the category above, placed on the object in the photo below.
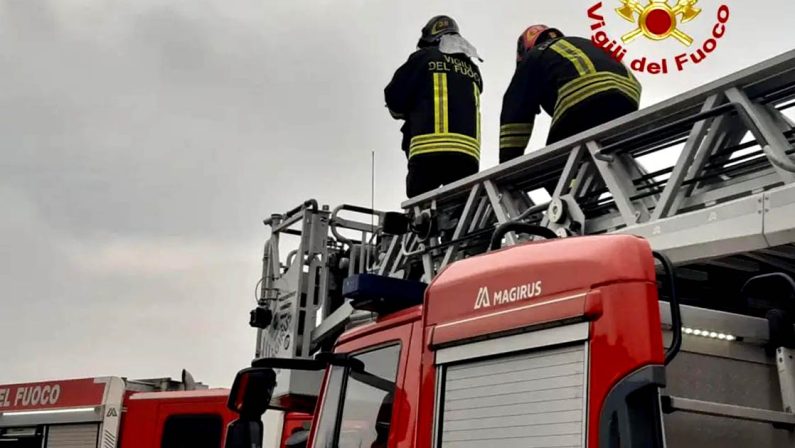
pixel 252 391
pixel 250 396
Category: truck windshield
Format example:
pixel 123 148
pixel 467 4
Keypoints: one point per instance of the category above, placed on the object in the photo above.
pixel 357 407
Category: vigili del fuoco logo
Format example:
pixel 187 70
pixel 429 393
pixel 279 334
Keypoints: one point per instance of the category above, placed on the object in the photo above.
pixel 657 20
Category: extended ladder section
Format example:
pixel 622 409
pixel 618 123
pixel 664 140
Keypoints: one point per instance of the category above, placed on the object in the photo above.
pixel 720 199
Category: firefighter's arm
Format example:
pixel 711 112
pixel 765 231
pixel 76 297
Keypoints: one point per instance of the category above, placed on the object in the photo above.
pixel 520 105
pixel 399 93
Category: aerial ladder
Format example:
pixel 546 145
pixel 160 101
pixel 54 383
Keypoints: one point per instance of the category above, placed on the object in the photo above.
pixel 720 204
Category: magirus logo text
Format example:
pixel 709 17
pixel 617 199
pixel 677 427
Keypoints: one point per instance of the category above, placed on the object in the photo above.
pixel 485 299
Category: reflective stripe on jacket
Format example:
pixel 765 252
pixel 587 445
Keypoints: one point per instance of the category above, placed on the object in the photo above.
pixel 557 76
pixel 439 97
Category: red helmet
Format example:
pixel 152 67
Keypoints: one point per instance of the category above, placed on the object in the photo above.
pixel 533 35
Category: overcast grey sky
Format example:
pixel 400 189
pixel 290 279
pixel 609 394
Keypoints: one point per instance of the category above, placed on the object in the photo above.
pixel 142 142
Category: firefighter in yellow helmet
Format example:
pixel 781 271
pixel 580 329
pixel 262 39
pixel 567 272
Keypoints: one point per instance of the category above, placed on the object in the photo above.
pixel 577 83
pixel 437 94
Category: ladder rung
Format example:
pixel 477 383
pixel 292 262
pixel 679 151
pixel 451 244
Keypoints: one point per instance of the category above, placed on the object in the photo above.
pixel 728 410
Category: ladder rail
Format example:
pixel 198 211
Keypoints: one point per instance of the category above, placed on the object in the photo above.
pixel 598 183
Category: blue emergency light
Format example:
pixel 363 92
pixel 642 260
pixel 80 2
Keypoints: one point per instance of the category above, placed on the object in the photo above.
pixel 382 295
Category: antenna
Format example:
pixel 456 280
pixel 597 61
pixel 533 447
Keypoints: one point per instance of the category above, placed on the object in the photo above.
pixel 372 186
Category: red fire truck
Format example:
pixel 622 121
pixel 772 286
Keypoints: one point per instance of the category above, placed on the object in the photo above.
pixel 500 339
pixel 111 412
pixel 630 309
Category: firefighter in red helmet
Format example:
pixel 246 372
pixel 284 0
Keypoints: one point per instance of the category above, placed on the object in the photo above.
pixel 437 94
pixel 577 83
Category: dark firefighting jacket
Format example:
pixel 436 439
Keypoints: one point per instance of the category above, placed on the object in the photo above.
pixel 560 75
pixel 438 96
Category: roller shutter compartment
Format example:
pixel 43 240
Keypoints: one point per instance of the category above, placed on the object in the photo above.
pixel 72 436
pixel 529 400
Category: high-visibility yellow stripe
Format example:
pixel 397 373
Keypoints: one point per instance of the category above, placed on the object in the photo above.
pixel 428 143
pixel 576 62
pixel 515 135
pixel 444 143
pixel 631 76
pixel 445 149
pixel 589 91
pixel 577 66
pixel 525 138
pixel 471 148
pixel 578 96
pixel 441 116
pixel 477 110
pixel 437 107
pixel 459 150
pixel 514 142
pixel 424 146
pixel 574 86
pixel 582 81
pixel 448 147
pixel 579 54
pixel 516 128
pixel 445 115
pixel 426 138
pixel 581 62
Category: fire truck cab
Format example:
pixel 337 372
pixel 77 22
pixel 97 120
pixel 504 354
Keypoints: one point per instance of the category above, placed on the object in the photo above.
pixel 500 353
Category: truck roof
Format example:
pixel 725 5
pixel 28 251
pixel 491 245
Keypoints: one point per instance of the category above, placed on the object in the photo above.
pixel 496 286
pixel 221 392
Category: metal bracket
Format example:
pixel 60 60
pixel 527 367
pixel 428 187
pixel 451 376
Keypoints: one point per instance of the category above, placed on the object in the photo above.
pixel 786 377
pixel 673 404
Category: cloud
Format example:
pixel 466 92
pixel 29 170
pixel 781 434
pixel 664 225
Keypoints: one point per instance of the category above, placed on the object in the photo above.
pixel 147 257
pixel 120 306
